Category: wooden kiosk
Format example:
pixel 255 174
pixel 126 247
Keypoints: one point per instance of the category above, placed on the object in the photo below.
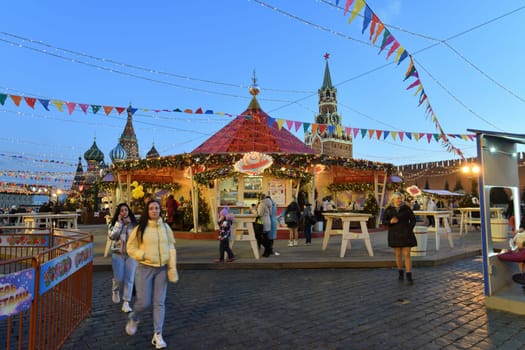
pixel 497 156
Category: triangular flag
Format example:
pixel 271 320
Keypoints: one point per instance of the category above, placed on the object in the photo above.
pixel 107 109
pixel 418 90
pixel 30 101
pixel 370 133
pixel 189 111
pixel 198 111
pixel 402 57
pixel 378 134
pixel 271 121
pixel 133 110
pixel 305 127
pixel 289 124
pixel 70 107
pixel 83 107
pixel 387 40
pixel 393 48
pixel 58 104
pixel 373 25
pixel 367 18
pixel 380 29
pixel 416 136
pixel 315 128
pixel 322 128
pixel 411 69
pixel 363 133
pixel 417 82
pixel 399 51
pixel 385 134
pixel 401 135
pixel 95 108
pixel 408 135
pixel 347 6
pixel 437 137
pixel 394 134
pixel 355 131
pixel 429 137
pixel 120 110
pixel 44 103
pixel 208 111
pixel 297 125
pixel 280 123
pixel 16 99
pixel 359 4
pixel 3 97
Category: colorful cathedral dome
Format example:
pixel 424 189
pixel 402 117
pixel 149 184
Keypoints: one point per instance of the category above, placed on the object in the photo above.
pixel 94 153
pixel 118 153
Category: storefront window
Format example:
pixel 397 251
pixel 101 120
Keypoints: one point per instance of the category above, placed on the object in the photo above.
pixel 253 186
pixel 229 189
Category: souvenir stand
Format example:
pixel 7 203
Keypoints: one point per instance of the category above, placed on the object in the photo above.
pixel 497 156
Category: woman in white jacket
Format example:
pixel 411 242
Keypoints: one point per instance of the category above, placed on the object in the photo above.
pixel 150 244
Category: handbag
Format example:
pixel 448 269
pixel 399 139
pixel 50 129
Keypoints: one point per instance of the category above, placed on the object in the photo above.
pixel 312 219
pixel 290 218
pixel 173 274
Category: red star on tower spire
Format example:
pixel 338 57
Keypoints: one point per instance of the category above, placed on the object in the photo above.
pixel 326 56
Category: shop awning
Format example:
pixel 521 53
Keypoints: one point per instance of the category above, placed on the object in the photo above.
pixel 442 192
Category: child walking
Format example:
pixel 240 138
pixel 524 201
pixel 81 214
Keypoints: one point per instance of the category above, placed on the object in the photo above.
pixel 225 231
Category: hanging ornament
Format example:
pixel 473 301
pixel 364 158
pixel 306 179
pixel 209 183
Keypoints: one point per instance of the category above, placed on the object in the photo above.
pixel 253 163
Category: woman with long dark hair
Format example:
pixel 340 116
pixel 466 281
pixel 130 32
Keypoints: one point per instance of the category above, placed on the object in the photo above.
pixel 123 265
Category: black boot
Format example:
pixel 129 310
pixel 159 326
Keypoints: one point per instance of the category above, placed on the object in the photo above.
pixel 401 274
pixel 409 278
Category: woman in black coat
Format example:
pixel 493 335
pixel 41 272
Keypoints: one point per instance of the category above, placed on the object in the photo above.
pixel 400 220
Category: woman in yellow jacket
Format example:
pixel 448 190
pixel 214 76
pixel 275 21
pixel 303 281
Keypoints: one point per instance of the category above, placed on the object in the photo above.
pixel 150 243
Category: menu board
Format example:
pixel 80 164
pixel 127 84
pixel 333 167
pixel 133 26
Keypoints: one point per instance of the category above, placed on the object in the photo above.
pixel 277 190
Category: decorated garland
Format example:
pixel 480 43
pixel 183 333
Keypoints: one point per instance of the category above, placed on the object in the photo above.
pixel 359 187
pixel 301 162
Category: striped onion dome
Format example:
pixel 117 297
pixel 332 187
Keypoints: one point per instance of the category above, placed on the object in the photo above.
pixel 118 153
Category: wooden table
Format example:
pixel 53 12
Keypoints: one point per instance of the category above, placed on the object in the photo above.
pixel 243 231
pixel 466 218
pixel 439 215
pixel 346 235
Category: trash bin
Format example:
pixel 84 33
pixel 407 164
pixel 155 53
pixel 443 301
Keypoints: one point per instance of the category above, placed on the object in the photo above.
pixel 498 228
pixel 422 238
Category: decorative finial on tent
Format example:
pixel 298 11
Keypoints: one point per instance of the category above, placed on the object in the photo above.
pixel 254 89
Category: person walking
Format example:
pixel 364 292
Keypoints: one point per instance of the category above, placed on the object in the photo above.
pixel 151 244
pixel 291 219
pixel 225 232
pixel 264 211
pixel 120 227
pixel 431 206
pixel 400 220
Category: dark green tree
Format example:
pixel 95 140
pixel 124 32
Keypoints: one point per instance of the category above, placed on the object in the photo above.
pixel 447 187
pixel 203 213
pixel 458 186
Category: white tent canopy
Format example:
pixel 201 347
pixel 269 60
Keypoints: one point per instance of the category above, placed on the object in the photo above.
pixel 442 192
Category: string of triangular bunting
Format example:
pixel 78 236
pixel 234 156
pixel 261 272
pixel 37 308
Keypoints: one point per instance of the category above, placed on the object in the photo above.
pixel 292 125
pixel 376 29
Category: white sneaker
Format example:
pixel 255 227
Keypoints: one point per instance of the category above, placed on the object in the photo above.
pixel 115 297
pixel 131 326
pixel 125 307
pixel 295 243
pixel 290 243
pixel 158 342
pixel 276 253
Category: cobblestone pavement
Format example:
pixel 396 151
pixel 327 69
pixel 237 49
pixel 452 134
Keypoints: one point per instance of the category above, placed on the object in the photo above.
pixel 313 309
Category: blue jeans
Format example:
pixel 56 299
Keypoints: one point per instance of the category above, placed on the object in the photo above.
pixel 123 274
pixel 307 230
pixel 151 284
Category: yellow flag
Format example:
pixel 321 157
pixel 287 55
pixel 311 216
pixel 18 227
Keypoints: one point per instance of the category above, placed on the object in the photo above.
pixel 359 4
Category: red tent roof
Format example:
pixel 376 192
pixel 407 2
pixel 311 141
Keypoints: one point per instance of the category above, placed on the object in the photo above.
pixel 250 132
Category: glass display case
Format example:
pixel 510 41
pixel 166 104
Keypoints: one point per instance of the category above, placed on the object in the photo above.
pixel 229 191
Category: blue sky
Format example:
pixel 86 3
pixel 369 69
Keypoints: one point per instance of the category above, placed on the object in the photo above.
pixel 203 54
